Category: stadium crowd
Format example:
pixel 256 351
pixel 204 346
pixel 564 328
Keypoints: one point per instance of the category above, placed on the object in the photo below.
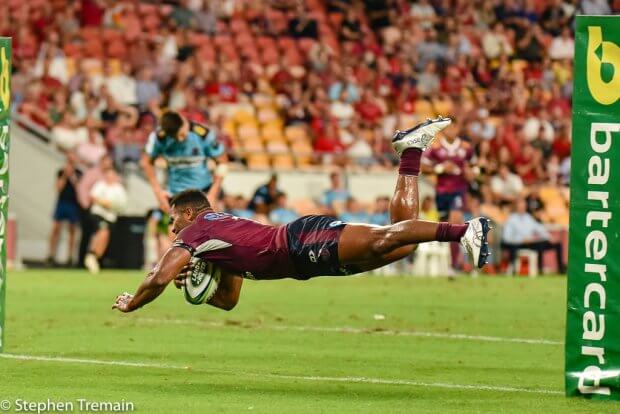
pixel 317 84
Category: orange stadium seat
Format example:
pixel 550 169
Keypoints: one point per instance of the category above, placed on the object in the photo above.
pixel 252 145
pixel 258 161
pixel 276 146
pixel 424 108
pixel 282 162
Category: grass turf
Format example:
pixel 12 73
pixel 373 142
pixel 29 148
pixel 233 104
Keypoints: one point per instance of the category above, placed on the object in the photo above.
pixel 276 352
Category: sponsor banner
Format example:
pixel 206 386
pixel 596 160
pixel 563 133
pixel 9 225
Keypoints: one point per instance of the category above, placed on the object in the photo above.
pixel 593 299
pixel 5 118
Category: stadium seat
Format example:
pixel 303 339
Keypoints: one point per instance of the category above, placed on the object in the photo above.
pixel 276 146
pixel 248 131
pixel 443 105
pixel 252 145
pixel 424 108
pixel 268 115
pixel 282 162
pixel 258 161
pixel 295 133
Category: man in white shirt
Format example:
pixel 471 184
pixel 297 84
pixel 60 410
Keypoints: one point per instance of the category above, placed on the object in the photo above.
pixel 562 47
pixel 122 86
pixel 506 186
pixel 522 231
pixel 108 200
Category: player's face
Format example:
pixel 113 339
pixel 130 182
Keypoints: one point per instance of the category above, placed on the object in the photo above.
pixel 183 131
pixel 180 218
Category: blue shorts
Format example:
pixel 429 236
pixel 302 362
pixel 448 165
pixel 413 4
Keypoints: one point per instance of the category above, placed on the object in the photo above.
pixel 67 211
pixel 313 247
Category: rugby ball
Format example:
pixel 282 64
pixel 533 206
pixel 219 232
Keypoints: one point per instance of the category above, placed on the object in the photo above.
pixel 202 282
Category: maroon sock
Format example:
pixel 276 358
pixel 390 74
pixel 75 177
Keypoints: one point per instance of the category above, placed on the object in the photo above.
pixel 410 162
pixel 450 232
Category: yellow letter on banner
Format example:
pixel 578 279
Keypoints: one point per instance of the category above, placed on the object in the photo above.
pixel 605 93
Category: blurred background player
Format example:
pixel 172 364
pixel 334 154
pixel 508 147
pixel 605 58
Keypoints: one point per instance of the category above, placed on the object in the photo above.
pixel 449 159
pixel 108 199
pixel 186 147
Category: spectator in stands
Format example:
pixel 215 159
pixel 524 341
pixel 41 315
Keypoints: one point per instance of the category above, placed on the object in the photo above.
pixel 522 231
pixel 351 28
pixel 563 46
pixel 122 86
pixel 147 88
pixel 90 152
pixel 108 200
pixel 335 197
pixel 506 185
pixel 595 7
pixel 124 139
pixel 66 134
pixel 282 214
pixel 67 209
pixel 495 42
pixel 381 212
pixel 354 212
pixel 428 211
pixel 264 198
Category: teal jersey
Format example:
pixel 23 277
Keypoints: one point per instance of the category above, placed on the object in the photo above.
pixel 187 160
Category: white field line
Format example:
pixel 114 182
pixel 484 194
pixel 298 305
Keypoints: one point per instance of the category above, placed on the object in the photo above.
pixel 352 380
pixel 352 330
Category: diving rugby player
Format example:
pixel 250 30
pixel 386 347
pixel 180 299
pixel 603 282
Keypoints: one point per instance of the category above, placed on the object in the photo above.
pixel 309 246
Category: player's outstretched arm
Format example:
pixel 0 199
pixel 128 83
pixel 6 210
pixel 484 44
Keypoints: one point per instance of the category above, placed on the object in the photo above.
pixel 170 265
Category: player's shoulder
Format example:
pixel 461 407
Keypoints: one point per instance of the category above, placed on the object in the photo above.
pixel 200 130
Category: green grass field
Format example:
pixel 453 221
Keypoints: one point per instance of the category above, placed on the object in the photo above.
pixel 291 346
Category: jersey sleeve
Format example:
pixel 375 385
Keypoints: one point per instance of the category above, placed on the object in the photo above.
pixel 194 239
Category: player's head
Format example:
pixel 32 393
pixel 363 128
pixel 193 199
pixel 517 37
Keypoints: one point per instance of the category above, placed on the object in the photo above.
pixel 185 206
pixel 173 124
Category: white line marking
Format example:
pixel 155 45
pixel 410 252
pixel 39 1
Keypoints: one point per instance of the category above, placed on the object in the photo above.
pixel 351 330
pixel 354 380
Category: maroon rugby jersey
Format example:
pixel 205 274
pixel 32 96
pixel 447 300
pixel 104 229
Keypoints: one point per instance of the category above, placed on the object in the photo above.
pixel 239 245
pixel 459 153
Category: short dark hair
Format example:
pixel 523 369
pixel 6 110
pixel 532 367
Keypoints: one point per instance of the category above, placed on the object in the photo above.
pixel 191 198
pixel 171 122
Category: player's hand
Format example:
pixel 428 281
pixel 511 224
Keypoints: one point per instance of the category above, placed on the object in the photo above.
pixel 162 199
pixel 179 281
pixel 122 302
pixel 450 167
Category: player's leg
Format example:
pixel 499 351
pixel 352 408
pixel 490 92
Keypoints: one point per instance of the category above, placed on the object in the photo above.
pixel 71 242
pixel 97 247
pixel 368 247
pixel 410 144
pixel 53 242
